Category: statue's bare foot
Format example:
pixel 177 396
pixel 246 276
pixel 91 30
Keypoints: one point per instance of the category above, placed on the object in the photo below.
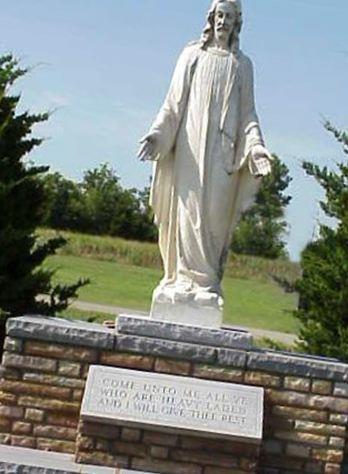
pixel 183 297
pixel 172 294
pixel 208 298
pixel 164 295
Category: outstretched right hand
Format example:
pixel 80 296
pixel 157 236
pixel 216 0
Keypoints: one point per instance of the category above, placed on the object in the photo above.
pixel 149 148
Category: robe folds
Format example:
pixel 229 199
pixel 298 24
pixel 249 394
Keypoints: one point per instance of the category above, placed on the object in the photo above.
pixel 203 176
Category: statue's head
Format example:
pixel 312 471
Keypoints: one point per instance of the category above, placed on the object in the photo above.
pixel 217 24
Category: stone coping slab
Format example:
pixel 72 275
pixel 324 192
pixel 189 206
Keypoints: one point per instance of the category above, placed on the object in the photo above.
pixel 141 326
pixel 296 364
pixel 80 333
pixel 15 460
pixel 61 330
pixel 166 348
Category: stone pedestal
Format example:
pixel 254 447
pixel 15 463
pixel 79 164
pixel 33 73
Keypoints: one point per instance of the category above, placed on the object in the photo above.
pixel 45 366
pixel 170 423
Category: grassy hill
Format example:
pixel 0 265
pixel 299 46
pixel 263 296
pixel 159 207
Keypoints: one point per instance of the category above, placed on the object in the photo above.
pixel 124 274
pixel 147 255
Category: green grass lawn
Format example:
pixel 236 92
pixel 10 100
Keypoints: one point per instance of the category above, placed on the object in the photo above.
pixel 249 303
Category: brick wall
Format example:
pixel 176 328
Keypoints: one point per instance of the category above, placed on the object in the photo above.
pixel 162 452
pixel 45 365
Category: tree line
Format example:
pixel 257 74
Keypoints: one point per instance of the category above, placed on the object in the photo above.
pixel 100 205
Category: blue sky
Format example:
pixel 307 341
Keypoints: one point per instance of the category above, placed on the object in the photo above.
pixel 104 67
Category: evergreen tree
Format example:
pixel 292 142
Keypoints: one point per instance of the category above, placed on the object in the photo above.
pixel 23 207
pixel 323 288
pixel 262 228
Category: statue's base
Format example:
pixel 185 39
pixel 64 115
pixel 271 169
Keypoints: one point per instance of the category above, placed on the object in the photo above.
pixel 53 356
pixel 185 309
pixel 190 314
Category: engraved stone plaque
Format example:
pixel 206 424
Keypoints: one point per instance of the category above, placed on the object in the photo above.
pixel 171 403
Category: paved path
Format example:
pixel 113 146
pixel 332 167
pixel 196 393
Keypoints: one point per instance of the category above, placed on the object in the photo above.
pixel 285 338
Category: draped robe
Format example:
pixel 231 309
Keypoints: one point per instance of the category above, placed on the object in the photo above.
pixel 203 176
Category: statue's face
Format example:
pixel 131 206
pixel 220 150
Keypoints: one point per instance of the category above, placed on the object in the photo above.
pixel 225 19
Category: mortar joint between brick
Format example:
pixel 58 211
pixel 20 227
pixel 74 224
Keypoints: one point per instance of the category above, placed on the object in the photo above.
pixel 215 356
pixel 282 382
pixel 71 396
pixel 311 385
pixel 245 367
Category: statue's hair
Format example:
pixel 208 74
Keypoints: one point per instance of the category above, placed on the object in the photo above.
pixel 208 32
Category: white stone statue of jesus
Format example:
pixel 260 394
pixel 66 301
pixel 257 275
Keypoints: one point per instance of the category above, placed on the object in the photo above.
pixel 208 155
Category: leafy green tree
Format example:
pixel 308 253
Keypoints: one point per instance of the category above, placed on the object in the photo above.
pixel 147 228
pixel 23 208
pixel 99 205
pixel 109 209
pixel 323 288
pixel 262 228
pixel 65 203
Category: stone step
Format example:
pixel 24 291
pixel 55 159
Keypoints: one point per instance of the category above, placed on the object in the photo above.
pixel 14 460
pixel 146 327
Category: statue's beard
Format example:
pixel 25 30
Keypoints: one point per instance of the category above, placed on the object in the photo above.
pixel 222 36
